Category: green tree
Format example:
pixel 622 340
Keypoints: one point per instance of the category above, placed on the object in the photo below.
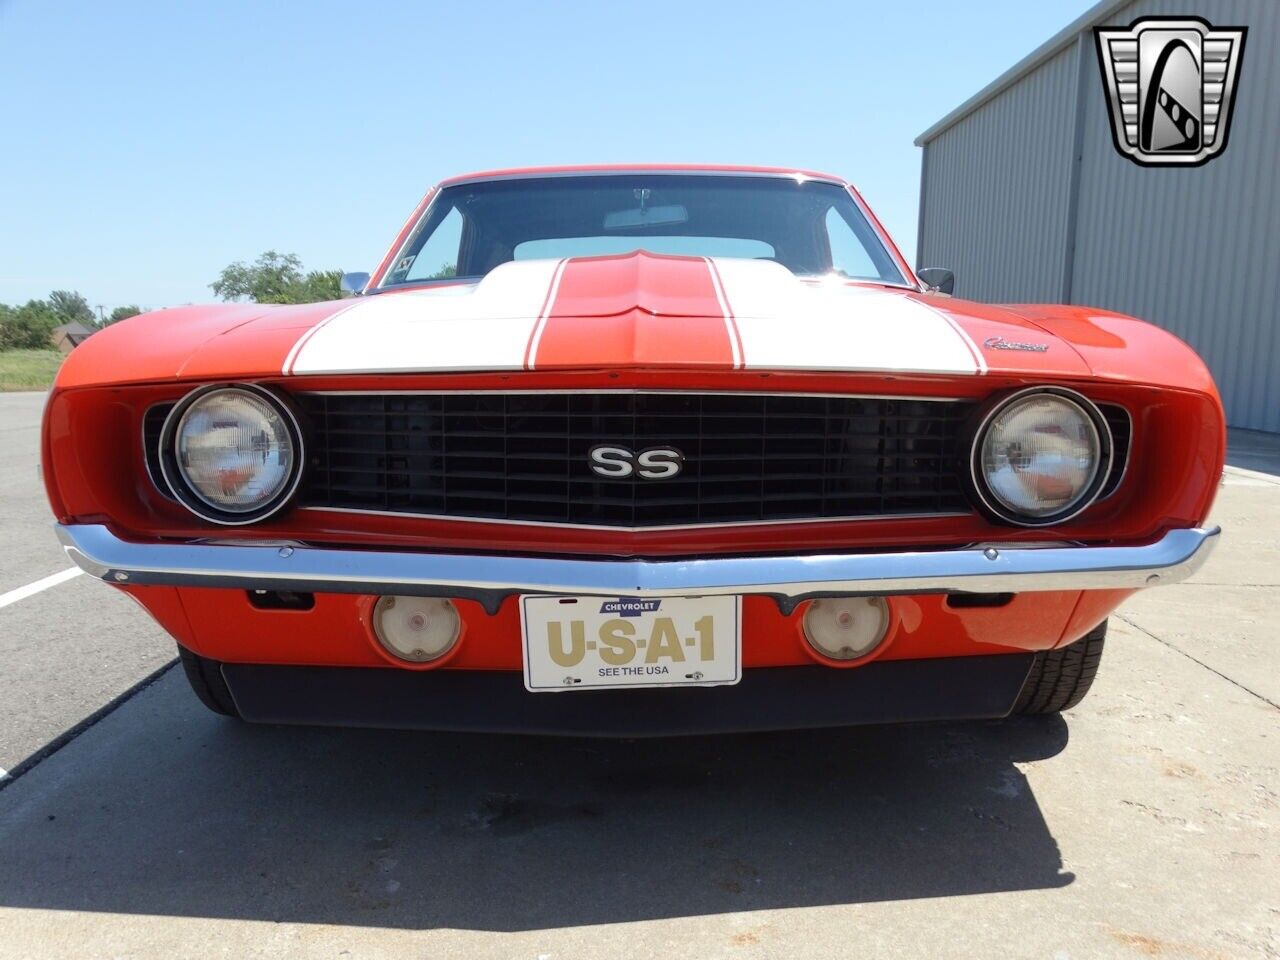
pixel 29 326
pixel 276 278
pixel 71 307
pixel 321 285
pixel 122 313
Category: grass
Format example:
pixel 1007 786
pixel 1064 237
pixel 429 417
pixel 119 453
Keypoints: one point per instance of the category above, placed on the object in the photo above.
pixel 28 369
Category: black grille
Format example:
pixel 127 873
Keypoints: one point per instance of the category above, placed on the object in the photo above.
pixel 152 427
pixel 1118 420
pixel 747 457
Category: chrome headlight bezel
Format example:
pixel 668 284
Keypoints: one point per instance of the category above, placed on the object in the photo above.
pixel 185 492
pixel 977 479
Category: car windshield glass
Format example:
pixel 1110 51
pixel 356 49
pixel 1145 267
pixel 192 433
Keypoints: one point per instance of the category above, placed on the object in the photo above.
pixel 811 227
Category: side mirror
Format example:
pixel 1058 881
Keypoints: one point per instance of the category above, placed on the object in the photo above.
pixel 937 280
pixel 353 284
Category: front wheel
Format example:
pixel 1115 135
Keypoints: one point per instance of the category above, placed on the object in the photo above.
pixel 205 677
pixel 1060 678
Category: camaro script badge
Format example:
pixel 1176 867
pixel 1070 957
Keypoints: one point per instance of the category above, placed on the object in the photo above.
pixel 1000 343
pixel 1170 85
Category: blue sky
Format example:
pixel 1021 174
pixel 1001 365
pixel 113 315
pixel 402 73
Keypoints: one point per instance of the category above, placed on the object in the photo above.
pixel 148 144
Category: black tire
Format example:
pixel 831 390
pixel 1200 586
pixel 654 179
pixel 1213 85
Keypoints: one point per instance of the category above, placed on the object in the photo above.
pixel 205 677
pixel 1059 679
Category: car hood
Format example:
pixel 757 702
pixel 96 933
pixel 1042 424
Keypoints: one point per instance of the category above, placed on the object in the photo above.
pixel 642 310
pixel 624 312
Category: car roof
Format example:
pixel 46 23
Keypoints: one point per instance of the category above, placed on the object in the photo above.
pixel 614 168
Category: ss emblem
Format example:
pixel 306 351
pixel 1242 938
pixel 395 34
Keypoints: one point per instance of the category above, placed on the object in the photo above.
pixel 652 463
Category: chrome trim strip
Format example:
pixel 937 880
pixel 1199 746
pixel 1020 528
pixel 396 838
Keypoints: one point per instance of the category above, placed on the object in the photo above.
pixel 598 526
pixel 909 279
pixel 637 390
pixel 490 579
pixel 409 234
pixel 640 171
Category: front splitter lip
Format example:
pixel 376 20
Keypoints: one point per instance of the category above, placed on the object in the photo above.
pixel 491 579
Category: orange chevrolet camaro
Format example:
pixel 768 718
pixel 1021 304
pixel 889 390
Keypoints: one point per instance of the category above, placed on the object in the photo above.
pixel 635 450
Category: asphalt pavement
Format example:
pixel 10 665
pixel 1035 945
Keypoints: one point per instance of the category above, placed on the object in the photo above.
pixel 70 649
pixel 1145 823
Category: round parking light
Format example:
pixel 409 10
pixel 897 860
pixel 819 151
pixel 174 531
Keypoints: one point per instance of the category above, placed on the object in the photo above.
pixel 416 630
pixel 846 628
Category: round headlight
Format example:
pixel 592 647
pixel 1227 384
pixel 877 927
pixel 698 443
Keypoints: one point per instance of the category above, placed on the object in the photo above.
pixel 1039 456
pixel 231 454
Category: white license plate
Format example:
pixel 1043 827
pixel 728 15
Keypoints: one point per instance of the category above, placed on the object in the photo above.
pixel 580 643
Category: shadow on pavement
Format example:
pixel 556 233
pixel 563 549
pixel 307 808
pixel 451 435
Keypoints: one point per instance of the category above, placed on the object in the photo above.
pixel 164 809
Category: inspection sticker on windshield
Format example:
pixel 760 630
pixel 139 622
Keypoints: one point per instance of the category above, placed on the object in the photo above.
pixel 580 643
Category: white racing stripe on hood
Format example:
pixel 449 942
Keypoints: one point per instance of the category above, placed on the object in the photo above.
pixel 790 324
pixel 474 327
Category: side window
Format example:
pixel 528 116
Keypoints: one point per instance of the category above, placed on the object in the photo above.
pixel 848 255
pixel 438 258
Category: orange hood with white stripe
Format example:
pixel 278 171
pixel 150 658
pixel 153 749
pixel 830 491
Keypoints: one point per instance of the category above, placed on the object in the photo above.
pixel 636 311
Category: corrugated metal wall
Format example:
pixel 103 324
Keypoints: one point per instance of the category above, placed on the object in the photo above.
pixel 1195 250
pixel 995 190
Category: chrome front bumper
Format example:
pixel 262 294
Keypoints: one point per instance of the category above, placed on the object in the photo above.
pixel 490 579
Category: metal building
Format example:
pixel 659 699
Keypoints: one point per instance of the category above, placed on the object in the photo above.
pixel 1024 195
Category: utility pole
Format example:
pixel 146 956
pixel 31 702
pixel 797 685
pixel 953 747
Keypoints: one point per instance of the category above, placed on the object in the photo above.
pixel 99 314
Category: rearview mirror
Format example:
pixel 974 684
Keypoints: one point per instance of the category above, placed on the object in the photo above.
pixel 937 280
pixel 353 284
pixel 646 217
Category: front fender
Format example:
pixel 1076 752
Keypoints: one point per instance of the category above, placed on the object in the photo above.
pixel 1124 348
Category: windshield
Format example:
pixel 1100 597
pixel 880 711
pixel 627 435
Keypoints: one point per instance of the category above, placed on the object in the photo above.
pixel 813 228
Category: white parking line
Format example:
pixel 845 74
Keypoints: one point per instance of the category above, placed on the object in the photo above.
pixel 31 589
